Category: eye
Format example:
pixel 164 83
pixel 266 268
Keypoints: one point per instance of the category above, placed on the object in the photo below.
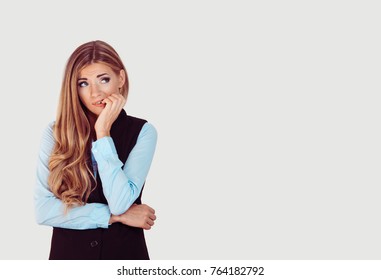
pixel 105 80
pixel 83 84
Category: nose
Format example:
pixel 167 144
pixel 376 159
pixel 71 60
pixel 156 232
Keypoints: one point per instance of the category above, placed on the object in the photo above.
pixel 95 90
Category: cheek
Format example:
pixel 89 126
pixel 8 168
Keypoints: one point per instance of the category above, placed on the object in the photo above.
pixel 111 88
pixel 84 100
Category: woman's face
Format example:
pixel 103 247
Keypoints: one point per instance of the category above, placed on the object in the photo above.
pixel 96 82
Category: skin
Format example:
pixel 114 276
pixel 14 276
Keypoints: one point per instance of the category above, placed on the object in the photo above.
pixel 99 83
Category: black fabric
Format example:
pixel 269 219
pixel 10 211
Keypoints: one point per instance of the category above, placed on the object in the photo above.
pixel 118 241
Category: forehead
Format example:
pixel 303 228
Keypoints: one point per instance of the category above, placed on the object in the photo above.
pixel 95 69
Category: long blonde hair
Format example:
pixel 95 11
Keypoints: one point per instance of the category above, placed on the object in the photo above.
pixel 71 178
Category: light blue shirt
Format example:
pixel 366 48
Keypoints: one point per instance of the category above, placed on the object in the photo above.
pixel 121 187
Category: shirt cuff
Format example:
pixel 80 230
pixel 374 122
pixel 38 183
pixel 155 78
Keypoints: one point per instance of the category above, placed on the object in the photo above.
pixel 101 215
pixel 104 146
pixel 106 156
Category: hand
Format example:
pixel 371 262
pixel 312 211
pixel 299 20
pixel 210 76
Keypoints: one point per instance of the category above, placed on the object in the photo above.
pixel 138 215
pixel 114 105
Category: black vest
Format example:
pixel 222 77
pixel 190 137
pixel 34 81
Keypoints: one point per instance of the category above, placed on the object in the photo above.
pixel 118 241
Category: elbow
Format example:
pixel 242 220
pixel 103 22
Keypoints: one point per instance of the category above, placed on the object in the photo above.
pixel 124 203
pixel 41 212
pixel 120 209
pixel 39 218
pixel 40 215
pixel 40 222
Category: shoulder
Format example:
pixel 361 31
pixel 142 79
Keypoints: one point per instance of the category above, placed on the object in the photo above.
pixel 135 122
pixel 147 130
pixel 135 119
pixel 147 139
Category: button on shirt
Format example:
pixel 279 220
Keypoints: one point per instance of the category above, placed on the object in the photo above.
pixel 121 187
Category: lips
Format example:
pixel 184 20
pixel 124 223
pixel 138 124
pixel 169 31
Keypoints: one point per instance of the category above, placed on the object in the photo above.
pixel 98 103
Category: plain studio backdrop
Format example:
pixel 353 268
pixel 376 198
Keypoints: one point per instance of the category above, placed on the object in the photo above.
pixel 268 117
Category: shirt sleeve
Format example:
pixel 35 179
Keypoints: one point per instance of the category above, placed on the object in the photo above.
pixel 49 210
pixel 122 187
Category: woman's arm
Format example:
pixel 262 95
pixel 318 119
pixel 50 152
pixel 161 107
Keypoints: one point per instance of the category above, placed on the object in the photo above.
pixel 122 187
pixel 138 215
pixel 49 209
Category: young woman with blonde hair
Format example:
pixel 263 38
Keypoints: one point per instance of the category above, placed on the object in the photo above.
pixel 93 163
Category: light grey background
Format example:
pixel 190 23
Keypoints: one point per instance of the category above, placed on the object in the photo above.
pixel 268 117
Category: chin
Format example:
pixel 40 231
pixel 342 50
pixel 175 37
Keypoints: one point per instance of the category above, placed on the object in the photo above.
pixel 94 113
pixel 97 111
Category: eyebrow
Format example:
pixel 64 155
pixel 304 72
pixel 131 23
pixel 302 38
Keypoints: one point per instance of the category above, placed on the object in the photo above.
pixel 98 76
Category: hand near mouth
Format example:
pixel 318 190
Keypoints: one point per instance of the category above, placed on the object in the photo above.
pixel 114 105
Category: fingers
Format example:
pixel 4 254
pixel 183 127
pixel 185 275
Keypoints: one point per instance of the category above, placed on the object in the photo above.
pixel 151 217
pixel 140 215
pixel 114 105
pixel 149 224
pixel 115 101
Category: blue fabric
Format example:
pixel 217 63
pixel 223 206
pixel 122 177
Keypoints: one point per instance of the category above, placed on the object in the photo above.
pixel 120 186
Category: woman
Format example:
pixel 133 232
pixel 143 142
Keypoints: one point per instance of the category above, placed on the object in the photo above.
pixel 93 163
